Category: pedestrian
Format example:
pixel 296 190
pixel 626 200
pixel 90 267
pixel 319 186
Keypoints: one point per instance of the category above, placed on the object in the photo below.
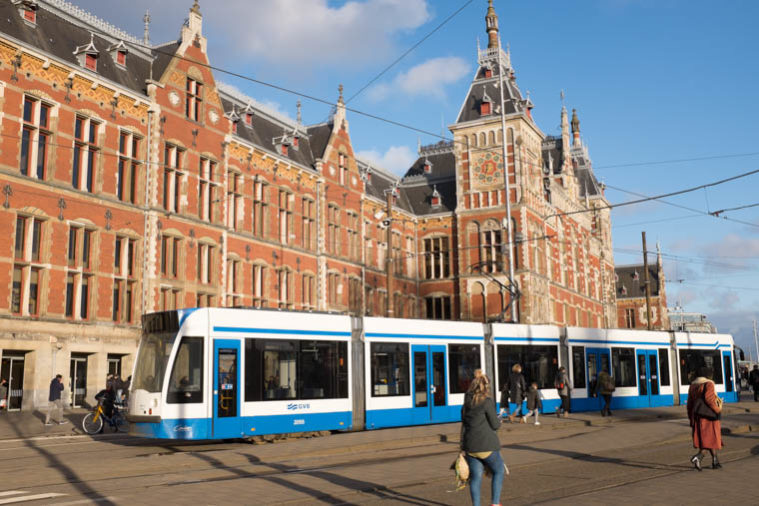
pixel 563 388
pixel 479 440
pixel 54 399
pixel 605 386
pixel 707 434
pixel 3 395
pixel 534 403
pixel 517 390
pixel 753 379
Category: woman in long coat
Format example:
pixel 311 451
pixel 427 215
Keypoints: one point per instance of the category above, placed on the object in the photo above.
pixel 707 434
pixel 517 390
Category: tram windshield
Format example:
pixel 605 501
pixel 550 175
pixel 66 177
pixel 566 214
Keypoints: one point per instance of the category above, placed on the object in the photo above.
pixel 151 361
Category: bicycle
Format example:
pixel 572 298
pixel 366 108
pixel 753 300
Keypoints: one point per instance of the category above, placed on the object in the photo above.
pixel 94 421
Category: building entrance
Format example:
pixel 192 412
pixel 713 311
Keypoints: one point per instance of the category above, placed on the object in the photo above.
pixel 12 369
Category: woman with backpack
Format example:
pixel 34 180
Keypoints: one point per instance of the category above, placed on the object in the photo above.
pixel 705 425
pixel 479 422
pixel 605 386
pixel 562 387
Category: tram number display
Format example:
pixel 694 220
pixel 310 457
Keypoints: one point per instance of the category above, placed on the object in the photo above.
pixel 227 386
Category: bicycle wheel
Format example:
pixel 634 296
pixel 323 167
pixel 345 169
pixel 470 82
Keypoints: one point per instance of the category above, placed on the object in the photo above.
pixel 120 424
pixel 92 425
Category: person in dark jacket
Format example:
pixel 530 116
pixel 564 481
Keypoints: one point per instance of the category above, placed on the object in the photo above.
pixel 54 398
pixel 605 386
pixel 517 391
pixel 753 380
pixel 479 440
pixel 563 388
pixel 505 409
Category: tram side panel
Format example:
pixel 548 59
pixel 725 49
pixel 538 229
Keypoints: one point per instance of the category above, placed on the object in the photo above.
pixel 536 348
pixel 417 371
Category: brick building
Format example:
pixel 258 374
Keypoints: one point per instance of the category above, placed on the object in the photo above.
pixel 631 296
pixel 132 181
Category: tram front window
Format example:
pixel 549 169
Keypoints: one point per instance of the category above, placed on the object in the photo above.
pixel 151 361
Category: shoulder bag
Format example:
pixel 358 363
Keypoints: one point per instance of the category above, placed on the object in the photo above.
pixel 702 410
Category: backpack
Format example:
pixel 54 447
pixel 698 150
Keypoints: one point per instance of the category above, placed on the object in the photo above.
pixel 609 384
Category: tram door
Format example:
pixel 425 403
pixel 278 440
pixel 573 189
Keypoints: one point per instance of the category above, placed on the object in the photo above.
pixel 597 359
pixel 648 379
pixel 728 369
pixel 430 393
pixel 226 389
pixel 13 371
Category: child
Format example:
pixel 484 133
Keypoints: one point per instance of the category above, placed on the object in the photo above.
pixel 534 403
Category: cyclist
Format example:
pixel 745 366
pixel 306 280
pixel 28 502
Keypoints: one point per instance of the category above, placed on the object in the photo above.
pixel 108 398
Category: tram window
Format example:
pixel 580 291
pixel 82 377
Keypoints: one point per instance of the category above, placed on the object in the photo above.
pixel 664 367
pixel 623 366
pixel 692 360
pixel 291 370
pixel 578 366
pixel 539 363
pixel 151 362
pixel 323 370
pixel 463 360
pixel 390 369
pixel 186 382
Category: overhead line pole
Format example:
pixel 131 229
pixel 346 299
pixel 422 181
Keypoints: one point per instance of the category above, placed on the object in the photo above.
pixel 649 324
pixel 507 188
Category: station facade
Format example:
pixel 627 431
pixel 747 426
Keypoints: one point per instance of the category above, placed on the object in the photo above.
pixel 132 181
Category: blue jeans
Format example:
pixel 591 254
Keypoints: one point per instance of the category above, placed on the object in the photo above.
pixel 476 468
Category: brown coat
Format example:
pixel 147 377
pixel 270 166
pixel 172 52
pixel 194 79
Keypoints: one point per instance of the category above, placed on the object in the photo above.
pixel 707 434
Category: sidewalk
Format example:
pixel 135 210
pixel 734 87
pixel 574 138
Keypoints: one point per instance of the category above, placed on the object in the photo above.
pixel 25 424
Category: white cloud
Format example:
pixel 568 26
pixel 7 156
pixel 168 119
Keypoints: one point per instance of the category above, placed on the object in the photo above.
pixel 428 78
pixel 311 32
pixel 397 159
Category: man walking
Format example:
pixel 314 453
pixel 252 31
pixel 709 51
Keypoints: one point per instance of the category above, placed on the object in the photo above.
pixel 56 387
pixel 605 386
pixel 753 379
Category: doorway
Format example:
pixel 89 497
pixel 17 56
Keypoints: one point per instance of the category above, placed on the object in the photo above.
pixel 12 369
pixel 78 379
pixel 430 391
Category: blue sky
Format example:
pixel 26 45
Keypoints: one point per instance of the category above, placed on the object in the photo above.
pixel 652 80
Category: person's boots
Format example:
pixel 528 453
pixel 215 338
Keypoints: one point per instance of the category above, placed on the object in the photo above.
pixel 696 460
pixel 715 463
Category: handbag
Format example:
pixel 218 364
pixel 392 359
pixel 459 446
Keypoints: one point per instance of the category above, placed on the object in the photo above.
pixel 461 468
pixel 701 410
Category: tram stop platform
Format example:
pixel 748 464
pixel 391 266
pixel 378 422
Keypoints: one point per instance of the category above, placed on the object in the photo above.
pixel 30 424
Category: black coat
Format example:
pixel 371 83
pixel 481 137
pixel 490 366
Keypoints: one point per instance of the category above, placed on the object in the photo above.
pixel 56 387
pixel 517 387
pixel 479 424
pixel 753 378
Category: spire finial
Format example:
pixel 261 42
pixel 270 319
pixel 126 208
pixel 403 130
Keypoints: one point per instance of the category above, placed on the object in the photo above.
pixel 562 96
pixel 146 35
pixel 195 8
pixel 299 116
pixel 491 26
pixel 340 98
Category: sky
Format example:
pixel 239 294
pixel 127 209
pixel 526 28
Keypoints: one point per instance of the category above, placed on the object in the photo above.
pixel 652 80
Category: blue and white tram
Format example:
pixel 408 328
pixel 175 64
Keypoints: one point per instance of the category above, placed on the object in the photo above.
pixel 218 373
pixel 230 373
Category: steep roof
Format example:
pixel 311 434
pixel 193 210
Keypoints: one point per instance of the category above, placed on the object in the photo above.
pixel 482 87
pixel 630 280
pixel 319 135
pixel 267 132
pixel 59 33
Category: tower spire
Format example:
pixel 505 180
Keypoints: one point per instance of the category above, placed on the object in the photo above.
pixel 146 35
pixel 575 128
pixel 491 26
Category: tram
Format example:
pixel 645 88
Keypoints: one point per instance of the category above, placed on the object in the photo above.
pixel 219 373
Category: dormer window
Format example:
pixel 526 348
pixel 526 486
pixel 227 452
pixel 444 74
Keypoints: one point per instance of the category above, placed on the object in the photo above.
pixel 119 53
pixel 249 119
pixel 296 141
pixel 285 150
pixel 435 199
pixel 488 73
pixel 624 290
pixel 88 55
pixel 636 276
pixel 27 9
pixel 234 127
pixel 234 119
pixel 486 106
pixel 121 57
pixel 427 166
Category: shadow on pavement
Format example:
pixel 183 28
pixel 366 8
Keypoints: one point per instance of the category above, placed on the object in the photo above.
pixel 57 464
pixel 587 457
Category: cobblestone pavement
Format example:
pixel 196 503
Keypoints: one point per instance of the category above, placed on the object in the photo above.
pixel 637 456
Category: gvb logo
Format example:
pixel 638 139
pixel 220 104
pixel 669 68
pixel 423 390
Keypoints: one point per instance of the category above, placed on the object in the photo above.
pixel 295 406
